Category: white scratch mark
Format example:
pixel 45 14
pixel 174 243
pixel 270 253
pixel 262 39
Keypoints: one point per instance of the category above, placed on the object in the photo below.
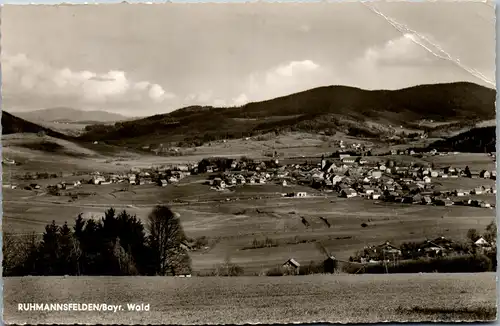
pixel 425 43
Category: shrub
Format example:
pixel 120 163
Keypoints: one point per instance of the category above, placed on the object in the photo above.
pixel 276 271
pixel 452 264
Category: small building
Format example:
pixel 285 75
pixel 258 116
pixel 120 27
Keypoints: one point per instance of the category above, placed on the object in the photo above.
pixel 477 191
pixel 426 200
pixel 348 193
pixel 218 182
pixel 485 174
pixel 35 186
pixel 427 179
pixel 163 183
pixel 377 174
pixel 349 160
pixel 481 242
pixel 292 266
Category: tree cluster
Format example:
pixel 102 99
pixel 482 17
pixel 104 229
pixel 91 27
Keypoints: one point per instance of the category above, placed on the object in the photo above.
pixel 116 244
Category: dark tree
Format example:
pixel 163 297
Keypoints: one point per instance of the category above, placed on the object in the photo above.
pixel 467 172
pixel 50 251
pixel 473 235
pixel 166 235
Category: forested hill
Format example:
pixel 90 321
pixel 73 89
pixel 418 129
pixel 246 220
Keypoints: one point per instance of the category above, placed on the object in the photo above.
pixel 12 125
pixel 325 109
pixel 477 140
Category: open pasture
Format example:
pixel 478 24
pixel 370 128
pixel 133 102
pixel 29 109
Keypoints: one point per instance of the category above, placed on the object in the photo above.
pixel 287 299
pixel 475 161
pixel 232 225
pixel 449 184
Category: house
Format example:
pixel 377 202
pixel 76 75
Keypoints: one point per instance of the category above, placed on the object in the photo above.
pixel 429 248
pixel 336 179
pixel 132 179
pixel 163 183
pixel 377 174
pixel 426 200
pixel 460 193
pixel 427 179
pixel 388 249
pixel 382 167
pixel 218 182
pixel 481 242
pixel 434 174
pixel 485 174
pixel 292 266
pixel 284 184
pixel 349 160
pixel 369 191
pixel 343 156
pixel 375 195
pixel 98 179
pixel 329 167
pixel 348 193
pixel 477 191
pixel 444 202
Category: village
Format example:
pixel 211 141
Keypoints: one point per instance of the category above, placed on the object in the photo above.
pixel 348 174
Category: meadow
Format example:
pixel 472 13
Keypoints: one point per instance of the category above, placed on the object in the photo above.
pixel 254 213
pixel 231 220
pixel 238 300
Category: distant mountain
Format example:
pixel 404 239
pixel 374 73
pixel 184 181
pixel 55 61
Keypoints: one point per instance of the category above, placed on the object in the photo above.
pixel 69 115
pixel 477 140
pixel 326 109
pixel 12 125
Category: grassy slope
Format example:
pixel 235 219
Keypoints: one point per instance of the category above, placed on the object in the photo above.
pixel 318 298
pixel 233 225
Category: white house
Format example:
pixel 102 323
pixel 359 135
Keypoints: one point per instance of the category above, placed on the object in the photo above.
pixel 481 242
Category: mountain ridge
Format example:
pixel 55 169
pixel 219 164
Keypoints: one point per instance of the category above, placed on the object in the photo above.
pixel 328 108
pixel 70 115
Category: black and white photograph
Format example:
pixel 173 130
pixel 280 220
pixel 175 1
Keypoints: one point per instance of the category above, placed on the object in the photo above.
pixel 247 163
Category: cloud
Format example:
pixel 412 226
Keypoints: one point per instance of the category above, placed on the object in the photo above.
pixel 406 50
pixel 392 64
pixel 30 78
pixel 284 79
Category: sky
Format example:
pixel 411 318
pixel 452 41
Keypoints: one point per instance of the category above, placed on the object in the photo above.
pixel 138 60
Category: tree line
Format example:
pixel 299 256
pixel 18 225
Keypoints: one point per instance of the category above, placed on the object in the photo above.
pixel 117 244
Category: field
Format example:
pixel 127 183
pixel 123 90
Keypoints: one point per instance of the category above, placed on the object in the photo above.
pixel 306 299
pixel 254 212
pixel 233 219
